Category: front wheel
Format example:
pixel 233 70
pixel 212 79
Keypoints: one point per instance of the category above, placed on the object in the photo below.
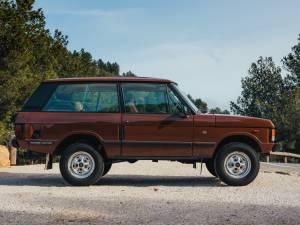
pixel 237 164
pixel 81 165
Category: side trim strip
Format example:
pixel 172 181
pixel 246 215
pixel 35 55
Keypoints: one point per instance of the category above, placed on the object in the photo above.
pixel 204 144
pixel 157 143
pixel 41 142
pixel 166 122
pixel 112 142
pixel 196 144
pixel 168 158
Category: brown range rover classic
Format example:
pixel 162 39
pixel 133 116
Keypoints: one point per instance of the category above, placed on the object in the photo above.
pixel 95 122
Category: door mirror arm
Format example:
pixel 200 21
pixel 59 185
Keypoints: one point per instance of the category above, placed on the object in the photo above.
pixel 182 114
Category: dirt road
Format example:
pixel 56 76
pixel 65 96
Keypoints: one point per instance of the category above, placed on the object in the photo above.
pixel 148 193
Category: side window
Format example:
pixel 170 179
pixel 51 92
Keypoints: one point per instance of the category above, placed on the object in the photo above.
pixel 84 98
pixel 175 105
pixel 145 98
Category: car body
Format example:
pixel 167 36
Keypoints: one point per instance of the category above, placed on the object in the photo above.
pixel 129 119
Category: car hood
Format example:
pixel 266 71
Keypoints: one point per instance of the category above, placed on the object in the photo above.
pixel 241 121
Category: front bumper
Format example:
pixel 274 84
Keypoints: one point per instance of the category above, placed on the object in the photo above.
pixel 266 148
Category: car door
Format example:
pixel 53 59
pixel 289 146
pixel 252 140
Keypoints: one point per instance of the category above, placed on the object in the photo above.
pixel 152 123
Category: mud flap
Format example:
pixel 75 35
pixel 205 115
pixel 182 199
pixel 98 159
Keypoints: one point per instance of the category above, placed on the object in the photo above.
pixel 49 161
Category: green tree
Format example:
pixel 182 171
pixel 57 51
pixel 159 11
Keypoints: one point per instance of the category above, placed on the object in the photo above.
pixel 218 110
pixel 128 74
pixel 24 51
pixel 292 94
pixel 262 92
pixel 266 94
pixel 30 54
pixel 201 105
pixel 292 63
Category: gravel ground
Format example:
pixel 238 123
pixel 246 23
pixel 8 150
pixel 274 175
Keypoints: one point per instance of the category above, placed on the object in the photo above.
pixel 147 193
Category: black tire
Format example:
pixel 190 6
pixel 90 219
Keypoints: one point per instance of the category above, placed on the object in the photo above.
pixel 66 172
pixel 211 167
pixel 241 149
pixel 107 167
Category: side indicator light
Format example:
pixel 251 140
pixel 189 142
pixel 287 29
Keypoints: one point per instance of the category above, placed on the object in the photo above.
pixel 273 134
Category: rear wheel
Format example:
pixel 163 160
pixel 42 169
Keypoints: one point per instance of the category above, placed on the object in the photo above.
pixel 81 165
pixel 210 167
pixel 237 164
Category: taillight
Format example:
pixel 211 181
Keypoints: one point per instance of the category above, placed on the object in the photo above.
pixel 19 131
pixel 273 133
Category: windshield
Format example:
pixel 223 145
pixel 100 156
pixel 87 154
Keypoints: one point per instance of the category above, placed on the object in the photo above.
pixel 186 98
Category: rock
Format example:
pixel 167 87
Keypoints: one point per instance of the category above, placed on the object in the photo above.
pixel 4 156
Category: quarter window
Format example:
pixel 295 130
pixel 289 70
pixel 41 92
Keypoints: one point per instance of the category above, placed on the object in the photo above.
pixel 40 96
pixel 84 98
pixel 175 105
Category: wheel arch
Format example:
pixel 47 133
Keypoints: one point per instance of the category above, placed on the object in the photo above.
pixel 242 138
pixel 81 137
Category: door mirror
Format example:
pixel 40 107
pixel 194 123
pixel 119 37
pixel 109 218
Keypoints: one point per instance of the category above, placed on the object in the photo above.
pixel 182 115
pixel 177 107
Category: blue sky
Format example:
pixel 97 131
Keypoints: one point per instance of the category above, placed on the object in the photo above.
pixel 206 46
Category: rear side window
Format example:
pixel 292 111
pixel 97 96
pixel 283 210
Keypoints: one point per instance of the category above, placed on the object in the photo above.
pixel 91 97
pixel 40 96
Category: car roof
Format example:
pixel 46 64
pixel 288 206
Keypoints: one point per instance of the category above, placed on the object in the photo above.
pixel 109 79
